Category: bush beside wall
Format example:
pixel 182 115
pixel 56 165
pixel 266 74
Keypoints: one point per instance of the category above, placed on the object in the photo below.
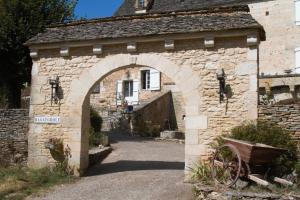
pixel 286 116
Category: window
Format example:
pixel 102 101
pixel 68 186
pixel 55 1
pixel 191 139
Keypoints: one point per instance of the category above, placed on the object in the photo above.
pixel 297 60
pixel 128 89
pixel 141 4
pixel 150 79
pixel 96 89
pixel 297 10
pixel 146 79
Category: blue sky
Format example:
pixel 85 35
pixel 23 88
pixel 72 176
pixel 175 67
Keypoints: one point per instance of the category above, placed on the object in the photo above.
pixel 96 8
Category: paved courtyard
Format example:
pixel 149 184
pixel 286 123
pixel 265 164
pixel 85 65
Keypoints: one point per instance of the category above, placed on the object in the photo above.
pixel 137 169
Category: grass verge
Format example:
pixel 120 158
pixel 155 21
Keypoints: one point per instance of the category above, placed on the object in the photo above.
pixel 16 183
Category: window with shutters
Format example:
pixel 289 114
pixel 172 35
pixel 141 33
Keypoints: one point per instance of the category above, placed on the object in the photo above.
pixel 150 79
pixel 297 10
pixel 154 79
pixel 119 94
pixel 127 90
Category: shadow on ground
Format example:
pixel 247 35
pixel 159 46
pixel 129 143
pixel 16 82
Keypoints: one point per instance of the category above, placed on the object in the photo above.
pixel 126 137
pixel 129 165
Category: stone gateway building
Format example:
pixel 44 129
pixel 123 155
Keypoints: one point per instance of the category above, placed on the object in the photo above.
pixel 145 49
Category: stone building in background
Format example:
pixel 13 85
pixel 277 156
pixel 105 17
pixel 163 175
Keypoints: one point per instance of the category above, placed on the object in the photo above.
pixel 138 86
pixel 279 54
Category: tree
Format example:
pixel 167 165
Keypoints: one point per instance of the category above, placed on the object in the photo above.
pixel 19 21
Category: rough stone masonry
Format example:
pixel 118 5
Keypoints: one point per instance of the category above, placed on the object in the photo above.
pixel 13 136
pixel 286 116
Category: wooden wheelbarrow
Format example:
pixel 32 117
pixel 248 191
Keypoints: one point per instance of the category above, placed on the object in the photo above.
pixel 240 159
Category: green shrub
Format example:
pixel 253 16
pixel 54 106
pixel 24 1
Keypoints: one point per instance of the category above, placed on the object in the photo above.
pixel 297 169
pixel 95 138
pixel 201 173
pixel 269 134
pixel 150 130
pixel 96 125
pixel 3 97
pixel 96 120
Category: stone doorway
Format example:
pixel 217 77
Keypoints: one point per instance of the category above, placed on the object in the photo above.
pixel 140 61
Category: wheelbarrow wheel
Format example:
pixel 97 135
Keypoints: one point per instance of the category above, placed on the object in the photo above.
pixel 226 165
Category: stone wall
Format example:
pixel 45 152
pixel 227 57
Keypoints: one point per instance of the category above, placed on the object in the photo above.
pixel 286 116
pixel 13 137
pixel 155 116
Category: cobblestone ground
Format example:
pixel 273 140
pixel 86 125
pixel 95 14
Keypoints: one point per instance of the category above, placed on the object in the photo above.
pixel 137 169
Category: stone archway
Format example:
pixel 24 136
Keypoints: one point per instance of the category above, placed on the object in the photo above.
pixel 78 98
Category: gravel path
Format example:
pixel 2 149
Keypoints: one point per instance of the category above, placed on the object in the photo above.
pixel 137 169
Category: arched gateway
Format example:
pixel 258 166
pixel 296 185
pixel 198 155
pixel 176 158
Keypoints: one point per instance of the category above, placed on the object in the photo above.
pixel 78 98
pixel 191 58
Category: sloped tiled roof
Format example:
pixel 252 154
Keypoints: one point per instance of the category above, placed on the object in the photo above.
pixel 216 19
pixel 128 7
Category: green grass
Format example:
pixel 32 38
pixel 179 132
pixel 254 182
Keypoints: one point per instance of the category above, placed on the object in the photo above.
pixel 16 183
pixel 201 173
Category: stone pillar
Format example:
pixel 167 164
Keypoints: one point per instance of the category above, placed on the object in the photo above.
pixel 78 143
pixel 84 162
pixel 251 100
pixel 194 149
pixel 36 158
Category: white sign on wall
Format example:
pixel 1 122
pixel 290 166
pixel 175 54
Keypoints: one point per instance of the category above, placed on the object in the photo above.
pixel 47 120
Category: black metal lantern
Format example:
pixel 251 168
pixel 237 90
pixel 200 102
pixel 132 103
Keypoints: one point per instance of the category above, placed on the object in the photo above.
pixel 221 76
pixel 54 82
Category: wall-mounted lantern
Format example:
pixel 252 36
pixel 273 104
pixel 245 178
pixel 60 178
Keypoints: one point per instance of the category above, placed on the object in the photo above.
pixel 54 82
pixel 221 76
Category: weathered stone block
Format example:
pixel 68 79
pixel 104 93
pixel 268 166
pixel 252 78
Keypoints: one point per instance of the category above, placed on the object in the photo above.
pixel 246 68
pixel 196 122
pixel 171 135
pixel 191 137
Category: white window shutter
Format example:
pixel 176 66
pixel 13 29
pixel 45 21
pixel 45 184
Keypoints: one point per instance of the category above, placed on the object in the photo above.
pixel 297 60
pixel 154 79
pixel 135 97
pixel 297 7
pixel 119 93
